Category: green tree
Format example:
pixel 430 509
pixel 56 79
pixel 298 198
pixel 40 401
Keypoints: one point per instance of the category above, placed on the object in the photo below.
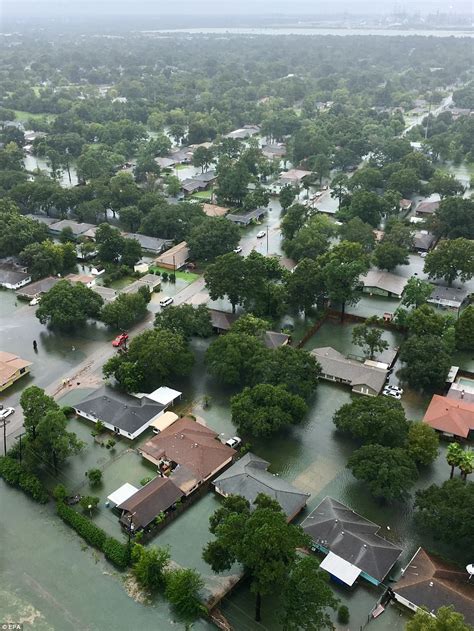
pixel 389 472
pixel 294 219
pixel 294 368
pixel 213 237
pixel 17 230
pixel 153 358
pixel 203 158
pixel 243 536
pixel 66 235
pixel 173 185
pixel 130 218
pixel 66 306
pixel 388 255
pixel 450 260
pixel 53 444
pixel 187 320
pixel 426 321
pixel 369 338
pixel 89 503
pixel 306 597
pixel 446 618
pixel 312 239
pixel 378 420
pixel 445 184
pixel 427 362
pixel 339 188
pixel 422 444
pixel 124 311
pixel 131 252
pixel 357 231
pixel 35 404
pixel 366 205
pixel 236 358
pixel 94 476
pixel 227 277
pixel 466 464
pixel 305 286
pixel 454 455
pixel 183 587
pixel 465 329
pixel 265 409
pixel 416 292
pixel 453 218
pixel 287 196
pixel 110 243
pixel 149 566
pixel 446 512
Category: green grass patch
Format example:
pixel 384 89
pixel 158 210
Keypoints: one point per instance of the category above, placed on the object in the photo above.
pixel 24 116
pixel 202 195
pixel 189 277
pixel 179 167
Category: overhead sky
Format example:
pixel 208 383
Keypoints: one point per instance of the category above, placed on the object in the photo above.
pixel 233 7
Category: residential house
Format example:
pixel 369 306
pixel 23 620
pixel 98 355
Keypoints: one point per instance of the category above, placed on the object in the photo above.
pixel 383 284
pixel 122 494
pixel 78 229
pixel 426 209
pixel 405 205
pixel 211 210
pixel 248 477
pixel 84 279
pixel 274 152
pixel 106 293
pixel 193 185
pixel 222 320
pixel 293 176
pixel 274 339
pixel 188 453
pixel 245 219
pixel 244 132
pixel 158 496
pixel 13 276
pixel 153 245
pixel 351 543
pixel 123 414
pixel 423 240
pixel 174 258
pixel 428 582
pixel 151 281
pixel 363 378
pixel 165 163
pixel 12 368
pixel 38 288
pixel 42 219
pixel 451 298
pixel 208 177
pixel 182 155
pixel 451 416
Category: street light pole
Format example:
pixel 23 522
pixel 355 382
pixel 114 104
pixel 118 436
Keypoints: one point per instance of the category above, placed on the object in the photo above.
pixel 19 437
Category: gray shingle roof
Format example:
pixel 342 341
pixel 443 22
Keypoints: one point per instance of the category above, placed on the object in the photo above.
pixel 356 373
pixel 384 280
pixel 152 244
pixel 249 476
pixel 448 296
pixel 155 497
pixel 125 412
pixel 339 529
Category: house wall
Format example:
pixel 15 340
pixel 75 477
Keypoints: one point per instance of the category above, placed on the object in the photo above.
pixel 19 373
pixel 17 285
pixel 112 428
pixel 362 389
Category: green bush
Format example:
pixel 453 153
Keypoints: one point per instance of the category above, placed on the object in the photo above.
pixel 84 527
pixel 60 492
pixel 15 475
pixel 343 614
pixel 68 410
pixel 164 276
pixel 117 553
pixel 95 476
pixel 144 481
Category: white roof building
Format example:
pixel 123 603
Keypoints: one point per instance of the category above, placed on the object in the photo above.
pixel 122 494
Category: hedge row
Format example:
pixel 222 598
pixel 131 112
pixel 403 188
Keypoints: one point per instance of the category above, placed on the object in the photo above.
pixel 115 551
pixel 13 473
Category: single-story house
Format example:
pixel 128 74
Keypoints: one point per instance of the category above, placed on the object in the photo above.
pixel 448 297
pixel 151 281
pixel 13 276
pixel 193 185
pixel 211 210
pixel 249 476
pixel 426 208
pixel 244 132
pixel 293 176
pixel 42 219
pixel 244 219
pixel 164 396
pixel 38 288
pixel 274 339
pixel 450 416
pixel 122 494
pixel 149 244
pixel 429 583
pixel 174 258
pixel 461 392
pixel 363 378
pixel 12 368
pixel 78 229
pixel 383 283
pixel 423 240
pixel 351 543
pixel 207 176
pixel 106 293
pixel 272 152
pixel 222 320
pixel 156 497
pixel 405 205
pixel 188 453
pixel 123 414
pixel 165 163
pixel 182 155
pixel 84 279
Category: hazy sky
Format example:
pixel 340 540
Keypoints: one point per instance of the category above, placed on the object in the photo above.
pixel 219 7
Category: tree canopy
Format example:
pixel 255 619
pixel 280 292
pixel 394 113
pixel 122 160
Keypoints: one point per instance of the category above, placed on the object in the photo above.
pixel 66 306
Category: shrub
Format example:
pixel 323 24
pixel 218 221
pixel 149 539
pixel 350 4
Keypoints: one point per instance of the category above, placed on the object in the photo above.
pixel 15 475
pixel 60 493
pixel 89 502
pixel 68 411
pixel 117 552
pixel 145 480
pixel 95 476
pixel 91 533
pixel 343 614
pixel 182 590
pixel 110 444
pixel 172 278
pixel 164 276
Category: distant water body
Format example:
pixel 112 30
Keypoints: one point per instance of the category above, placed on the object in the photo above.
pixel 313 31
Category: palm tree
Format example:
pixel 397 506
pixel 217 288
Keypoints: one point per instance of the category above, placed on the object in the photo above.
pixel 454 456
pixel 467 463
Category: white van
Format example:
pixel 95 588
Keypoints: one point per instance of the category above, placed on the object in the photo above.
pixel 166 301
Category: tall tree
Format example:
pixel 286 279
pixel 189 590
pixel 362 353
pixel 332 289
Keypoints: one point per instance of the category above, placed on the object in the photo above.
pixel 187 320
pixel 422 444
pixel 465 329
pixel 416 292
pixel 427 362
pixel 213 237
pixel 451 260
pixel 35 404
pixel 124 311
pixel 305 286
pixel 53 444
pixel 370 338
pixel 445 618
pixel 66 306
pixel 454 455
pixel 227 277
pixel 236 358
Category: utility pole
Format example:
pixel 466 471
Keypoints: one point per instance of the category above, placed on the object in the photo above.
pixel 428 118
pixel 19 437
pixel 267 238
pixel 5 423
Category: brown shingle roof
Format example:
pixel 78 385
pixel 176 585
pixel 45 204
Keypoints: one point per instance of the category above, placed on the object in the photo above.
pixel 155 497
pixel 432 583
pixel 453 416
pixel 192 446
pixel 9 365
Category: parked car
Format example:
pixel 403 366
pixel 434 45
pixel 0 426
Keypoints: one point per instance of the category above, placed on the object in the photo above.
pixel 6 413
pixel 391 393
pixel 394 388
pixel 35 301
pixel 234 442
pixel 238 249
pixel 120 339
pixel 261 234
pixel 423 254
pixel 166 301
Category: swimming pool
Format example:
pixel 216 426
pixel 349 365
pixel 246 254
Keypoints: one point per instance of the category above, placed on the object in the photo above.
pixel 466 383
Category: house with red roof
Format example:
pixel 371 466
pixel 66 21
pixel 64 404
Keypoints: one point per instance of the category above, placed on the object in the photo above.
pixel 451 417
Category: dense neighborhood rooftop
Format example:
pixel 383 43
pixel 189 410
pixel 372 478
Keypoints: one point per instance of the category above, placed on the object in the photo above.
pixel 385 281
pixel 451 416
pixel 149 501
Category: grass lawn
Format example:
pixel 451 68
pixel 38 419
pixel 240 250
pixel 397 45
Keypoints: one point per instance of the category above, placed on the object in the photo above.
pixel 179 167
pixel 122 282
pixel 24 116
pixel 203 194
pixel 189 277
